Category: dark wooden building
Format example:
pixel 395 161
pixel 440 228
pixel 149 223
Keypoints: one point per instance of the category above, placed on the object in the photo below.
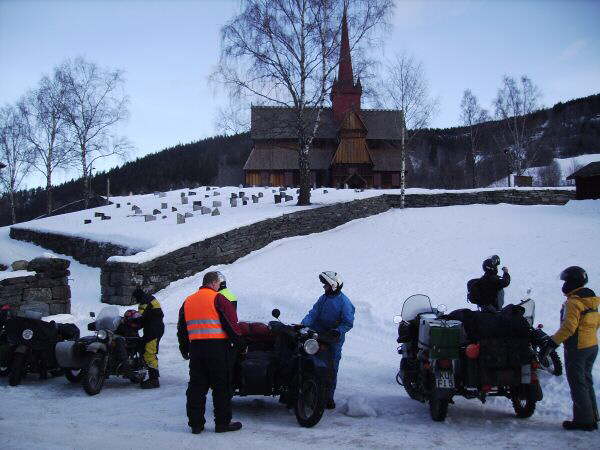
pixel 353 146
pixel 587 181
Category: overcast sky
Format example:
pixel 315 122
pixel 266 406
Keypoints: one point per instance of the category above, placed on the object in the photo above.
pixel 168 48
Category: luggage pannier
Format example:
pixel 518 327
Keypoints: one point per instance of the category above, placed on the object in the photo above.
pixel 441 337
pixel 257 372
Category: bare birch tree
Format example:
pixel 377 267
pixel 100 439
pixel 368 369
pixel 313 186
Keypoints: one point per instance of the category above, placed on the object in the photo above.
pixel 405 87
pixel 14 152
pixel 514 102
pixel 285 52
pixel 471 115
pixel 94 104
pixel 45 131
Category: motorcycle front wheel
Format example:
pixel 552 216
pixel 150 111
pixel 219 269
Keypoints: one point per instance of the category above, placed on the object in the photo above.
pixel 310 402
pixel 74 375
pixel 17 369
pixel 438 409
pixel 93 376
pixel 555 367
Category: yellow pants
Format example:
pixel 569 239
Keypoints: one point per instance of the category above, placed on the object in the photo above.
pixel 150 353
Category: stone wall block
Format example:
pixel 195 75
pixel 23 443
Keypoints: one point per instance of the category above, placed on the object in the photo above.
pixel 37 295
pixel 61 292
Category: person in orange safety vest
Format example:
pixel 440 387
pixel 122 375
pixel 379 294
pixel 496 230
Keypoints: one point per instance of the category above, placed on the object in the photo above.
pixel 207 327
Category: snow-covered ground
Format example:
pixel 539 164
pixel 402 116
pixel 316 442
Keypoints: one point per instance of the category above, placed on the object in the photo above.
pixel 161 236
pixel 567 167
pixel 382 259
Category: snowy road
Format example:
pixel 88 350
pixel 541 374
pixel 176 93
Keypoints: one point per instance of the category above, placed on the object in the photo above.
pixel 382 259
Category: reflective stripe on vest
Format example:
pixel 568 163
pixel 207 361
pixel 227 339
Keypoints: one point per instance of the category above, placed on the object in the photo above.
pixel 201 316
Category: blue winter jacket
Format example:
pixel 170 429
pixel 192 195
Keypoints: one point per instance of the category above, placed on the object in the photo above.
pixel 331 313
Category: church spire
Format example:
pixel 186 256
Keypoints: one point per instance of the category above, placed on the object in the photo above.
pixel 345 95
pixel 345 75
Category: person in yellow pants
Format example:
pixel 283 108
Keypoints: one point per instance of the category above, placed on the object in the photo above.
pixel 154 328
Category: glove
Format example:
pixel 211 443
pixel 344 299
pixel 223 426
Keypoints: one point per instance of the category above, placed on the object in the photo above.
pixel 547 346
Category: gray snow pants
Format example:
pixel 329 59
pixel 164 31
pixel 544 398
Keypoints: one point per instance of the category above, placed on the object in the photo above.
pixel 578 365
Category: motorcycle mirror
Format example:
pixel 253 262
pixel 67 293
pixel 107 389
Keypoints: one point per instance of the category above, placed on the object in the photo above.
pixel 92 314
pixel 276 313
pixel 397 319
pixel 540 326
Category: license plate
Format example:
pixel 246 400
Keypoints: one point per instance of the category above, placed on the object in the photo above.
pixel 444 379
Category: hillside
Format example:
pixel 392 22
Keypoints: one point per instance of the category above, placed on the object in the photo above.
pixel 437 159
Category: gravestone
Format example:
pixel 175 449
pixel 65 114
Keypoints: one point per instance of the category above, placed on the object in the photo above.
pixel 234 195
pixel 245 202
pixel 149 218
pixel 215 193
pixel 204 210
pixel 191 193
pixel 173 209
pixel 196 207
pixel 118 205
pixel 241 194
pixel 180 219
pixel 134 207
pixel 277 198
pixel 188 215
pixel 105 217
pixel 273 191
pixel 260 195
pixel 197 202
pixel 164 217
pixel 241 186
pixel 325 191
pixel 98 214
pixel 208 188
pixel 161 195
pixel 182 194
pixel 86 221
pixel 345 185
pixel 206 196
pixel 163 206
pixel 281 189
pixel 184 200
pixel 216 204
pixel 254 199
pixel 128 203
pixel 288 198
pixel 233 202
pixel 156 211
pixel 215 212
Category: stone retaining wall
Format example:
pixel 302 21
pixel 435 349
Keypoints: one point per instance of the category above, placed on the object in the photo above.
pixel 47 291
pixel 86 251
pixel 118 279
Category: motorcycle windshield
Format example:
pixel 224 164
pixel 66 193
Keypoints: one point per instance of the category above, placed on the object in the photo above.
pixel 108 318
pixel 415 305
pixel 529 314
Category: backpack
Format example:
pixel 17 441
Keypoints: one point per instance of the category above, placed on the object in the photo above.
pixel 473 291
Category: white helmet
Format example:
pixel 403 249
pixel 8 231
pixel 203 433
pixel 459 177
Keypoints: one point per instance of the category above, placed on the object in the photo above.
pixel 222 280
pixel 332 279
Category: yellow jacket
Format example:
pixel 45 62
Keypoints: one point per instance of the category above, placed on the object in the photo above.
pixel 573 321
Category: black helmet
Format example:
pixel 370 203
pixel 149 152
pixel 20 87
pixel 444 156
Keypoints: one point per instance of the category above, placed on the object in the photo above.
pixel 491 264
pixel 574 277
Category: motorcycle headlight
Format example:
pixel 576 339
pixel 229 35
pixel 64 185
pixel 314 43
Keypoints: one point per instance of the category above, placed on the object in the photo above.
pixel 311 346
pixel 102 335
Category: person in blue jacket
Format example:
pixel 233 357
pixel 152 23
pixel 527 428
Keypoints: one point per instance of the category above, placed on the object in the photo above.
pixel 332 311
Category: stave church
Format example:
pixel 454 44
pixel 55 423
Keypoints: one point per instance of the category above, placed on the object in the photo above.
pixel 354 147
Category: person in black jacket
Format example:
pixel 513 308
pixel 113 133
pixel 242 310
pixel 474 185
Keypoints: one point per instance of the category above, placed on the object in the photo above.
pixel 488 291
pixel 154 328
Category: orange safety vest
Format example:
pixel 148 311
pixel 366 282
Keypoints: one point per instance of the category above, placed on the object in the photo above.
pixel 201 316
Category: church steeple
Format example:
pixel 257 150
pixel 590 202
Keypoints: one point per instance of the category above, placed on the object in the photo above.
pixel 345 95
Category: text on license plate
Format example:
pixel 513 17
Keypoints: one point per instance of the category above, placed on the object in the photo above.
pixel 444 379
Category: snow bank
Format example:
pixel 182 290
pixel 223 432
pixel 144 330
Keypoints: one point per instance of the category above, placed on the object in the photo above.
pixel 15 274
pixel 357 406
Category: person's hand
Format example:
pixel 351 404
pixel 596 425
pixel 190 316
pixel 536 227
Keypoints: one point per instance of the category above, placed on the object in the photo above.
pixel 505 269
pixel 547 345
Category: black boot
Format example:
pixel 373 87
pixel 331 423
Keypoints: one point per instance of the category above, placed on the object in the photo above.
pixel 572 425
pixel 152 381
pixel 231 426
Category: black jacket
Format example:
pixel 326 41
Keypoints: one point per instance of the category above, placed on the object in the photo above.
pixel 152 318
pixel 489 285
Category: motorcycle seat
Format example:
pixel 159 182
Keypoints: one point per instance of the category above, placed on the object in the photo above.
pixel 256 331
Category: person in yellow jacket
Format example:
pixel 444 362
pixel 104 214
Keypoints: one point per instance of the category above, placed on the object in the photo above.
pixel 579 324
pixel 154 328
pixel 225 291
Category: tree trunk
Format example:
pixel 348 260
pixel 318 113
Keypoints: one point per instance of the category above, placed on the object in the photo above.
pixel 86 179
pixel 13 214
pixel 49 193
pixel 304 165
pixel 402 166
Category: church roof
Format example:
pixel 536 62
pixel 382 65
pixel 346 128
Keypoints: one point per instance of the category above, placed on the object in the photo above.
pixel 273 122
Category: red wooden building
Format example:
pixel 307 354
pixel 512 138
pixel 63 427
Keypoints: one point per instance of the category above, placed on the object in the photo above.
pixel 353 146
